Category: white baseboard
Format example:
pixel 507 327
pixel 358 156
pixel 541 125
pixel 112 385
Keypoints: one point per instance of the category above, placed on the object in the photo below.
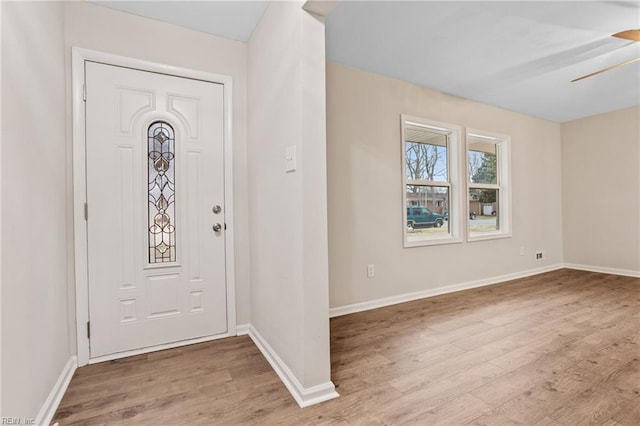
pixel 242 329
pixel 408 297
pixel 303 396
pixel 50 405
pixel 603 270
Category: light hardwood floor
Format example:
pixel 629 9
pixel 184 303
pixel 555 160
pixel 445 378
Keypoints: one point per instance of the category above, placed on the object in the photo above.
pixel 561 348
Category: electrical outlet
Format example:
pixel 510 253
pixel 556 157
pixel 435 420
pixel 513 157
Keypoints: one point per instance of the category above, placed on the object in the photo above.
pixel 521 250
pixel 371 271
pixel 539 255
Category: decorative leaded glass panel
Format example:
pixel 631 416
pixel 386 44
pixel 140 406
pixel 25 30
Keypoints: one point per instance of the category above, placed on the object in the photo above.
pixel 161 178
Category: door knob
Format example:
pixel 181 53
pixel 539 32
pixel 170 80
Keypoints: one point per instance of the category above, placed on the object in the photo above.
pixel 217 227
pixel 217 209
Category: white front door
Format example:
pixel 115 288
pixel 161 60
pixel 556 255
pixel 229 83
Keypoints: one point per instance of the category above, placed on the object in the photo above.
pixel 156 220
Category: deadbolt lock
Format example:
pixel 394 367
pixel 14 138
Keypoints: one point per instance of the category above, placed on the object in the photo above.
pixel 217 209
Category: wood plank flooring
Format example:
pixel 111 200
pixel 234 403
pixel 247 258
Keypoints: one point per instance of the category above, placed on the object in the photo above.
pixel 561 348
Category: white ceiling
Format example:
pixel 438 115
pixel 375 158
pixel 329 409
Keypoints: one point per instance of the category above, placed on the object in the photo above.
pixel 519 56
pixel 515 55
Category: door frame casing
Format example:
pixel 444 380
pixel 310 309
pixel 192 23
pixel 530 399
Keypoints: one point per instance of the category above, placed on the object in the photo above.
pixel 79 56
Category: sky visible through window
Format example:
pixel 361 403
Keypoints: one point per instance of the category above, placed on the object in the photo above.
pixel 426 161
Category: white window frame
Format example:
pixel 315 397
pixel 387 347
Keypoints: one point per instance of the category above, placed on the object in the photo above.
pixel 503 151
pixel 455 177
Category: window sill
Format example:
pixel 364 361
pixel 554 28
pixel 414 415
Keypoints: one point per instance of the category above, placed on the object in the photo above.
pixel 432 242
pixel 488 236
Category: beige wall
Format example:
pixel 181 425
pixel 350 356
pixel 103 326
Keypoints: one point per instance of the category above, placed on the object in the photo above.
pixel 364 187
pixel 112 31
pixel 288 216
pixel 601 191
pixel 35 339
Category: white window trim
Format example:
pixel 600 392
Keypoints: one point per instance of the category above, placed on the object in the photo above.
pixel 503 145
pixel 455 183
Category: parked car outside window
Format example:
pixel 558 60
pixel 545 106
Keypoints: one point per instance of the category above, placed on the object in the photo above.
pixel 423 217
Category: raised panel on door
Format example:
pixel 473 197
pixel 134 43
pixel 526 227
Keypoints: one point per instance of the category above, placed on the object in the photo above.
pixel 154 172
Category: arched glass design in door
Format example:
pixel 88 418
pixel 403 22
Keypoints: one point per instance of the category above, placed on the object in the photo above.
pixel 162 191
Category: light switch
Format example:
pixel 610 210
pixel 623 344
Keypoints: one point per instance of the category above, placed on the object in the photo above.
pixel 290 159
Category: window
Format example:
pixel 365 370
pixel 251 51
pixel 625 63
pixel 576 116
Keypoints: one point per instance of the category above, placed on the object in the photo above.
pixel 161 192
pixel 431 209
pixel 488 195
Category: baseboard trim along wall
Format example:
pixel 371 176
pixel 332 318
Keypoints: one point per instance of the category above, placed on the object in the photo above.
pixel 303 396
pixel 603 270
pixel 242 329
pixel 50 405
pixel 408 297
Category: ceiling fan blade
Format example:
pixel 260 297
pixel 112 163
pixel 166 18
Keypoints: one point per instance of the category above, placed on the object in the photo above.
pixel 633 35
pixel 612 67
